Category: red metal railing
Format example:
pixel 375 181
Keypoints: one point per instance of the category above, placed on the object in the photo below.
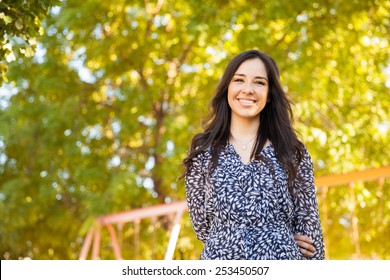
pixel 94 234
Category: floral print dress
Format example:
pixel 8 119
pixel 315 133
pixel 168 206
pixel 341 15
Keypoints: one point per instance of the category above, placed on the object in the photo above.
pixel 245 211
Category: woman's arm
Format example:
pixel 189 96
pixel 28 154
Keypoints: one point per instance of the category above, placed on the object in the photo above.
pixel 307 221
pixel 195 182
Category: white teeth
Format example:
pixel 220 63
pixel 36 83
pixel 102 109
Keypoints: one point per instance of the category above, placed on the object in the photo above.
pixel 246 101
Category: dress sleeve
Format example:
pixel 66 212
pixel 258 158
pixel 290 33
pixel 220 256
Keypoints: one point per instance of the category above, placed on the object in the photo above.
pixel 196 193
pixel 307 219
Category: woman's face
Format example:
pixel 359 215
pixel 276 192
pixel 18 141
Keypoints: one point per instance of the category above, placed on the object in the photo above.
pixel 248 90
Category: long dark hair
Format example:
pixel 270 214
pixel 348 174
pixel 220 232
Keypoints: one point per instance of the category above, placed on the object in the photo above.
pixel 275 120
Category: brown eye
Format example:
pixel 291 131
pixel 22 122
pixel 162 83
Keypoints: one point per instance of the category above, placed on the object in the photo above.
pixel 261 83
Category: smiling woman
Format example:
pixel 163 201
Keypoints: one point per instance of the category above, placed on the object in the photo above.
pixel 249 180
pixel 247 97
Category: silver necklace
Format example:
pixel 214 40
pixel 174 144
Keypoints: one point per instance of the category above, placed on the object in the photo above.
pixel 244 147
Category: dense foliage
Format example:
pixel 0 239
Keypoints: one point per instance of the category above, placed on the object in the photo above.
pixel 20 25
pixel 99 118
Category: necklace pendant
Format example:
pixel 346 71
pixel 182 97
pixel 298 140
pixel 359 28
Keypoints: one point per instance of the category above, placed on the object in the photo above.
pixel 244 148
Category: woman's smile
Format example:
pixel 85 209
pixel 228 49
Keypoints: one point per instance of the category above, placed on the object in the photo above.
pixel 246 102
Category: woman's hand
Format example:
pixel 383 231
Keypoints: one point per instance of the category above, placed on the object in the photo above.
pixel 305 245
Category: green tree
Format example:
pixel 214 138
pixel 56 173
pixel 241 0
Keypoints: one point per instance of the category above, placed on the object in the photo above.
pixel 100 118
pixel 20 27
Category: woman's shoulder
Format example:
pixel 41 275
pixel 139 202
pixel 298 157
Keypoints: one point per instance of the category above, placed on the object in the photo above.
pixel 305 151
pixel 301 152
pixel 202 153
pixel 305 162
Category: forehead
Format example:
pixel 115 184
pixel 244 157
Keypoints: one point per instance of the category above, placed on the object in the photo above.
pixel 252 67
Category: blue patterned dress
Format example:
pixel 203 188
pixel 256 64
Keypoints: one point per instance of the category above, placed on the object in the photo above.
pixel 245 211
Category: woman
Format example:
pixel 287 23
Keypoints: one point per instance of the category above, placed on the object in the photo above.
pixel 249 180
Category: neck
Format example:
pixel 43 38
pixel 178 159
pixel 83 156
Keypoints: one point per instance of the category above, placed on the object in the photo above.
pixel 244 129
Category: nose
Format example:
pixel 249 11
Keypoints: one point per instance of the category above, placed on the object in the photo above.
pixel 249 88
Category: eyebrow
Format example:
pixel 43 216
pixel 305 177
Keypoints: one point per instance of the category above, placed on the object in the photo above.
pixel 257 77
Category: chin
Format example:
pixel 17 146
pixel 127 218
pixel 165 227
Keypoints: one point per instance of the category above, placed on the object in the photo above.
pixel 249 116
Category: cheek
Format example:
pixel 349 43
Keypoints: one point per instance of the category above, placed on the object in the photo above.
pixel 230 93
pixel 230 98
pixel 264 94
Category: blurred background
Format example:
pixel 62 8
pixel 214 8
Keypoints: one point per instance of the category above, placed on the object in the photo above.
pixel 99 101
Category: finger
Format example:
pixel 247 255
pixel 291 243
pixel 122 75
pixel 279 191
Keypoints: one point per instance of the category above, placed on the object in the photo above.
pixel 306 246
pixel 303 238
pixel 306 253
